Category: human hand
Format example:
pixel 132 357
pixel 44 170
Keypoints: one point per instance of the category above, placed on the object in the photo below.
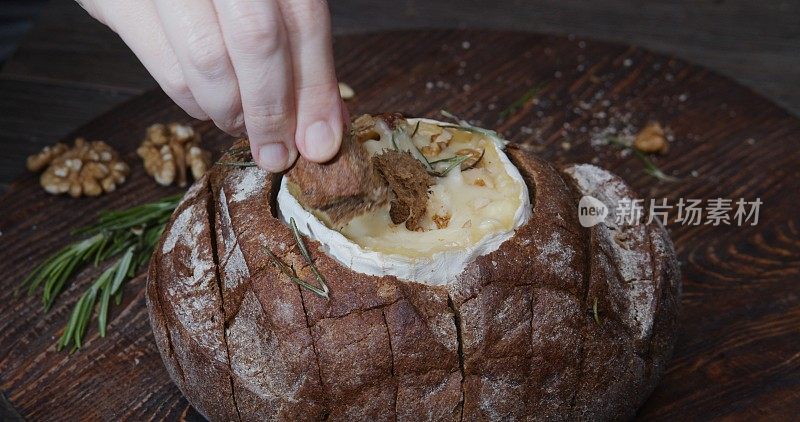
pixel 258 67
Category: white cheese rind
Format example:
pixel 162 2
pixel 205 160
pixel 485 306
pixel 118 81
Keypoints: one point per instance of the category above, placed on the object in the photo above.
pixel 439 268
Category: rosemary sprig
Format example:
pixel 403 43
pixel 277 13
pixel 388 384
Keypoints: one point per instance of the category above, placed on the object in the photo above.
pixel 236 152
pixel 302 246
pixel 289 271
pixel 130 235
pixel 419 155
pixel 649 167
pixel 238 163
pixel 104 285
pixel 153 213
pixel 521 102
pixel 428 165
pixel 465 125
pixel 453 162
pixel 59 267
pixel 653 170
pixel 455 158
pixel 595 313
pixel 416 129
pixel 292 274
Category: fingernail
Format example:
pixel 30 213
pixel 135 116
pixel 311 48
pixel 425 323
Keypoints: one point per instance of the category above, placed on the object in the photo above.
pixel 320 141
pixel 273 157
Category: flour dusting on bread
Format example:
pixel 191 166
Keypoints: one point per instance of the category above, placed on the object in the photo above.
pixel 252 180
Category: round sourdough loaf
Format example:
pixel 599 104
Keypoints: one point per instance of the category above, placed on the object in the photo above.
pixel 560 322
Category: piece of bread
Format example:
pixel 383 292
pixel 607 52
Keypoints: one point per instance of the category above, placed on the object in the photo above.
pixel 561 322
pixel 345 186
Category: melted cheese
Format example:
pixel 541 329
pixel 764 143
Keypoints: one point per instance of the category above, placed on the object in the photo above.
pixel 473 203
pixel 476 209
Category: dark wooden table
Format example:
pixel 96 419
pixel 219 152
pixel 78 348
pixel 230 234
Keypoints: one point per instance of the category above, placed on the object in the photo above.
pixel 738 353
pixel 70 68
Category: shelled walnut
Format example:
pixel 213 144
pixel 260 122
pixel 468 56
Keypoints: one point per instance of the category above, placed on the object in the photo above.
pixel 651 139
pixel 37 162
pixel 169 150
pixel 86 169
pixel 439 141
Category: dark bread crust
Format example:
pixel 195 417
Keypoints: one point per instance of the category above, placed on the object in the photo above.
pixel 513 338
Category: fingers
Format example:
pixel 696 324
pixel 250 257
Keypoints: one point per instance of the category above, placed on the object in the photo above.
pixel 319 109
pixel 258 48
pixel 193 31
pixel 138 25
pixel 264 66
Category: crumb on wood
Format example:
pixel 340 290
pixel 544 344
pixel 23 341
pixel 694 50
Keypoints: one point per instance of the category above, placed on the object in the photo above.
pixel 345 91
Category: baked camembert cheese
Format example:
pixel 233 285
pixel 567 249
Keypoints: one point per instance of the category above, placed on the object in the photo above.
pixel 477 199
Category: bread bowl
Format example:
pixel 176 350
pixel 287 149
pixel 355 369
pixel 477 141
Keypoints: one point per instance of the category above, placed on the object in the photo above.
pixel 546 319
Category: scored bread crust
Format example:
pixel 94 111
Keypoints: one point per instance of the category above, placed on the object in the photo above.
pixel 514 337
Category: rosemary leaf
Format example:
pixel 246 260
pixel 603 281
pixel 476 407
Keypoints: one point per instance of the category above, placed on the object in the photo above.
pixel 238 163
pixel 455 161
pixel 619 142
pixel 521 102
pixel 100 250
pixel 465 125
pixel 102 312
pixel 239 150
pixel 79 320
pixel 158 211
pixel 452 116
pixel 413 150
pixel 292 274
pixel 83 318
pixel 122 271
pixel 241 158
pixel 302 246
pixel 416 129
pixel 649 167
pixel 427 163
pixel 55 271
pixel 73 319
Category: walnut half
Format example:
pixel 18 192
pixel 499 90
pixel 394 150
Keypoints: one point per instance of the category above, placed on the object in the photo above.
pixel 651 139
pixel 169 151
pixel 37 162
pixel 86 169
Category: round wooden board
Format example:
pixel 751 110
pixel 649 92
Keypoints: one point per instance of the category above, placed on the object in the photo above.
pixel 738 351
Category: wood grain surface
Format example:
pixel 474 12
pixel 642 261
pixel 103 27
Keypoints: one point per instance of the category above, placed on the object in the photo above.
pixel 738 354
pixel 755 43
